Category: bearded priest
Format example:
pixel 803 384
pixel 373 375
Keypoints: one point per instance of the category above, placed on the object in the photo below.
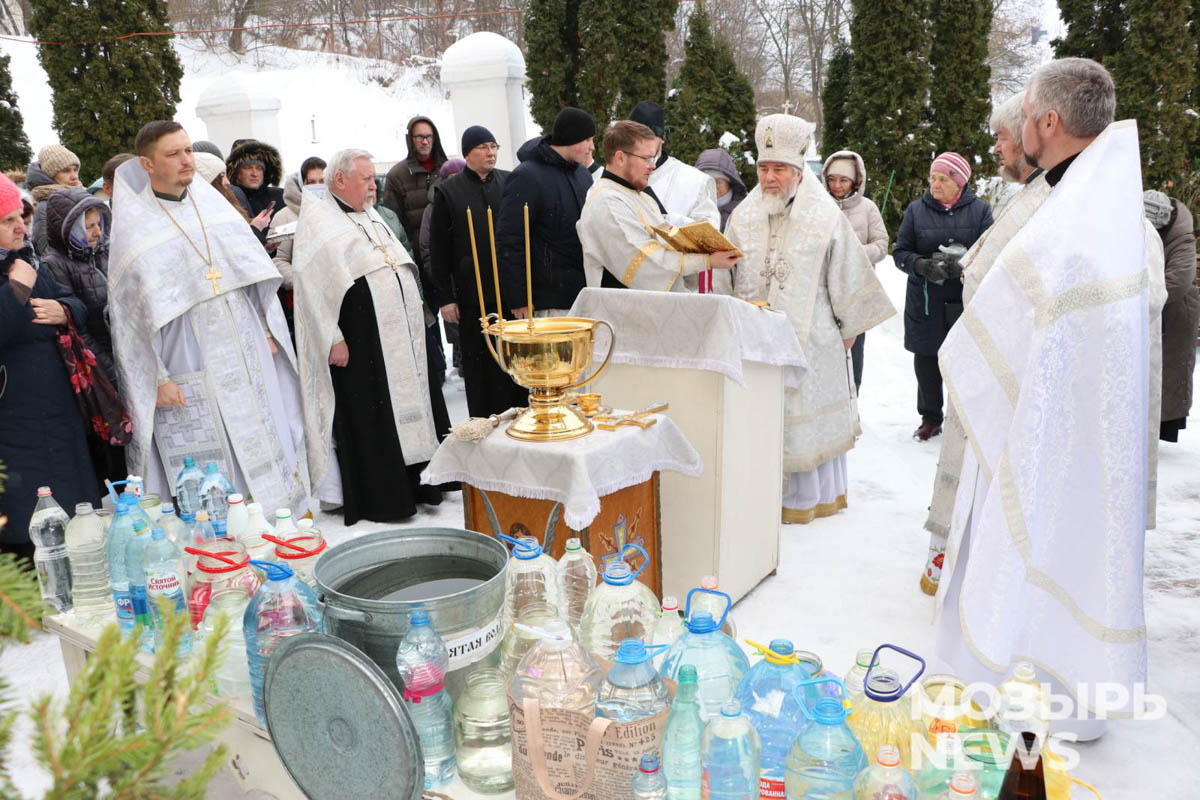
pixel 803 258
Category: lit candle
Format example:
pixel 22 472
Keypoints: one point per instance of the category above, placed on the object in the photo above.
pixel 475 258
pixel 528 270
pixel 495 268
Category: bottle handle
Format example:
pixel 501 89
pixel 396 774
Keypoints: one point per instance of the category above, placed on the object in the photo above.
pixel 645 557
pixel 798 694
pixel 687 613
pixel 902 651
pixel 773 657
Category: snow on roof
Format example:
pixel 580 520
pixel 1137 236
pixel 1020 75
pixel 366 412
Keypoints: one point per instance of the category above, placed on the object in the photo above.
pixel 482 55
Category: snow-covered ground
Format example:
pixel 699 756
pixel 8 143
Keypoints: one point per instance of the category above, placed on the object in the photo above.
pixel 850 582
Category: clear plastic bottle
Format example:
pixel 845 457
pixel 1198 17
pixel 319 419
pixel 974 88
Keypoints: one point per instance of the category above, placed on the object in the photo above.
pixel 164 571
pixel 91 592
pixel 711 602
pixel 187 487
pixel 531 577
pixel 219 530
pixel 256 526
pixel 826 757
pixel 682 736
pixel 767 695
pixel 883 713
pixel 856 678
pixel 558 672
pixel 172 525
pixel 48 532
pixel 729 755
pixel 120 531
pixel 1024 703
pixel 237 517
pixel 668 627
pixel 963 786
pixel 135 548
pixel 577 579
pixel 619 608
pixel 483 732
pixel 523 634
pixel 719 662
pixel 282 607
pixel 233 675
pixel 214 492
pixel 632 690
pixel 649 783
pixel 285 526
pixel 422 662
pixel 886 778
pixel 200 534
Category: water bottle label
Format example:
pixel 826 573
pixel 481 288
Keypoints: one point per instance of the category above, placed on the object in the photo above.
pixel 141 611
pixel 771 789
pixel 469 647
pixel 163 583
pixel 124 604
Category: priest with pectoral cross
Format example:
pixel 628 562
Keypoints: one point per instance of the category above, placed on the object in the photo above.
pixel 360 334
pixel 196 321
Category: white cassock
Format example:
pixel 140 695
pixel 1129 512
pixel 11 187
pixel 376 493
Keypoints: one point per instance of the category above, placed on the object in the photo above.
pixel 809 264
pixel 689 195
pixel 618 241
pixel 1050 369
pixel 209 335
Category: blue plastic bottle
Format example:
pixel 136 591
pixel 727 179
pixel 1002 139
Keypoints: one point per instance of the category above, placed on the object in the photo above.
pixel 422 662
pixel 120 531
pixel 681 739
pixel 632 689
pixel 826 757
pixel 187 487
pixel 729 753
pixel 719 662
pixel 135 549
pixel 766 695
pixel 214 492
pixel 164 581
pixel 649 782
pixel 283 606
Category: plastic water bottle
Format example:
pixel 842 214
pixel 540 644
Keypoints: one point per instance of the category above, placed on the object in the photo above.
pixel 237 518
pixel 164 581
pixel 282 607
pixel 187 486
pixel 668 627
pixel 285 526
pixel 767 695
pixel 558 672
pixel 648 782
pixel 422 661
pixel 729 755
pixel 214 492
pixel 48 532
pixel 120 531
pixel 883 713
pixel 682 736
pixel 135 549
pixel 172 526
pixel 826 757
pixel 886 778
pixel 719 662
pixel 619 608
pixel 252 537
pixel 710 601
pixel 632 690
pixel 523 634
pixel 1024 703
pixel 577 579
pixel 91 593
pixel 531 577
pixel 963 786
pixel 856 678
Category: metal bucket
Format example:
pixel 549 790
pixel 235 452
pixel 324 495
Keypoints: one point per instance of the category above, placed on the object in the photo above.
pixel 368 586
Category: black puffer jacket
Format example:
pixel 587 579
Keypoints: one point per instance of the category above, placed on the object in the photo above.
pixel 926 224
pixel 82 270
pixel 452 266
pixel 270 191
pixel 555 190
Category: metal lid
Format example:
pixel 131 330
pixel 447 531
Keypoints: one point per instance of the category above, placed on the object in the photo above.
pixel 338 723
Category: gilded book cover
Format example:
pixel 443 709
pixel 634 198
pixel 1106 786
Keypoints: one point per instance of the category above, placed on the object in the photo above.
pixel 695 237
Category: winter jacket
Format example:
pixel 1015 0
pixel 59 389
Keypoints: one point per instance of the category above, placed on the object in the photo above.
pixel 862 212
pixel 451 266
pixel 719 160
pixel 293 195
pixel 406 190
pixel 269 192
pixel 927 224
pixel 555 190
pixel 43 441
pixel 82 270
pixel 1180 315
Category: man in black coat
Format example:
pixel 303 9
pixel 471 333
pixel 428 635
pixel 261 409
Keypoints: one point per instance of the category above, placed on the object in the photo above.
pixel 553 179
pixel 257 169
pixel 478 187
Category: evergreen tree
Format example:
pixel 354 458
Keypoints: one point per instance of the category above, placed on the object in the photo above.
pixel 14 145
pixel 552 42
pixel 889 82
pixel 835 101
pixel 959 95
pixel 103 93
pixel 1194 100
pixel 711 96
pixel 1154 76
pixel 1095 29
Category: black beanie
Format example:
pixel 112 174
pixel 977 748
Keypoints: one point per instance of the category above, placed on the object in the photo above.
pixel 572 126
pixel 650 114
pixel 474 136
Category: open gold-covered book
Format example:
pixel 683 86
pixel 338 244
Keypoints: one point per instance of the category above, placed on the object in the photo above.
pixel 695 237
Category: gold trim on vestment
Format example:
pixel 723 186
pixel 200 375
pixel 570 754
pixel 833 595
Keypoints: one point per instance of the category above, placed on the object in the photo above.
pixel 992 356
pixel 972 439
pixel 635 263
pixel 795 516
pixel 1100 293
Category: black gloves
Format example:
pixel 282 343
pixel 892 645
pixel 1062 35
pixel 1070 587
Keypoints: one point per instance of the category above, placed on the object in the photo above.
pixel 938 268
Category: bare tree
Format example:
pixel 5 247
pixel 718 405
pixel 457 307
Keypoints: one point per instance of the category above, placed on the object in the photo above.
pixel 1012 53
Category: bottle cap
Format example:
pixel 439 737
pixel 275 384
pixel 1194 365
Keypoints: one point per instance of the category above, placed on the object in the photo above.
pixel 418 616
pixel 618 573
pixel 780 652
pixel 283 513
pixel 708 582
pixel 889 756
pixel 158 533
pixel 524 549
pixel 635 651
pixel 670 603
pixel 188 518
pixel 189 461
pixel 731 708
pixel 865 659
pixel 122 508
pixel 202 516
pixel 235 498
pixel 574 544
pixel 84 508
pixel 166 509
pixel 304 524
pixel 273 571
pixel 43 491
pixel 687 674
pixel 649 763
pixel 139 525
pixel 211 467
pixel 963 785
pixel 701 622
pixel 1023 671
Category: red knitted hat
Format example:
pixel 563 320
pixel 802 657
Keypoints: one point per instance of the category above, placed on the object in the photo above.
pixel 954 165
pixel 10 196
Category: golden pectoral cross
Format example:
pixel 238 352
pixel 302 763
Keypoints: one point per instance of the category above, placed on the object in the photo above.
pixel 214 276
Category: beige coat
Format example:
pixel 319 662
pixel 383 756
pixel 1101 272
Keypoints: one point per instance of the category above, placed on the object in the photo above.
pixel 863 214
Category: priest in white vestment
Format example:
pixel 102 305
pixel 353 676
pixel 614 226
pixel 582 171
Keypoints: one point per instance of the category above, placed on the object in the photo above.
pixel 360 336
pixel 803 258
pixel 1051 369
pixel 203 353
pixel 620 247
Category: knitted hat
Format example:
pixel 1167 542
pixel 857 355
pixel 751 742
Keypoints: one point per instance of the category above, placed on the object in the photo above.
pixel 844 167
pixel 54 158
pixel 572 126
pixel 782 138
pixel 208 166
pixel 10 196
pixel 474 136
pixel 650 114
pixel 452 167
pixel 205 146
pixel 1158 208
pixel 954 165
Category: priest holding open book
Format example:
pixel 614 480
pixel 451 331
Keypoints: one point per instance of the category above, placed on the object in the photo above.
pixel 621 247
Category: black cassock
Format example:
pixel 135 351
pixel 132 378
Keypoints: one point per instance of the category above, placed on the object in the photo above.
pixel 377 484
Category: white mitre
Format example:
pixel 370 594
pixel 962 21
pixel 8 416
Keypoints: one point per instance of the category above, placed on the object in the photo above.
pixel 783 138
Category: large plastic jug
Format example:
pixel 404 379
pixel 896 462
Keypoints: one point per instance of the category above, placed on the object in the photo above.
pixel 719 662
pixel 883 712
pixel 558 672
pixel 619 608
pixel 531 577
pixel 826 757
pixel 729 754
pixel 632 689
